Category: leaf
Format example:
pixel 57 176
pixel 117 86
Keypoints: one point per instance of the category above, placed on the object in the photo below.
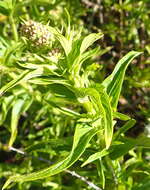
pixel 89 40
pixel 100 168
pixel 56 144
pixel 127 144
pixel 83 135
pixel 121 116
pixel 77 64
pixel 143 141
pixel 13 82
pixel 108 119
pixel 101 104
pixel 6 105
pixel 64 110
pixel 125 127
pixel 14 119
pixel 6 7
pixel 26 75
pixel 113 83
pixel 123 148
pixel 96 156
pixel 66 44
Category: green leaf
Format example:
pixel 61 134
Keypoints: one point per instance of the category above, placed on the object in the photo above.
pixel 113 83
pixel 83 135
pixel 100 168
pixel 64 110
pixel 13 82
pixel 66 44
pixel 14 119
pixel 96 156
pixel 108 126
pixel 121 116
pixel 127 144
pixel 123 148
pixel 143 141
pixel 26 75
pixel 124 128
pixel 89 40
pixel 101 104
pixel 7 102
pixel 6 6
pixel 77 64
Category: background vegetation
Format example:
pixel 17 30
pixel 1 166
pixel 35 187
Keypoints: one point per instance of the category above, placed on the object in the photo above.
pixel 48 102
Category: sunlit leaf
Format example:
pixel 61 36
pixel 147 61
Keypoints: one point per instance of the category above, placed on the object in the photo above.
pixel 83 135
pixel 89 40
pixel 14 119
pixel 96 156
pixel 113 83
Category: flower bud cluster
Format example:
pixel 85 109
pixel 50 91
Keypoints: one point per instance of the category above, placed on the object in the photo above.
pixel 37 34
pixel 54 54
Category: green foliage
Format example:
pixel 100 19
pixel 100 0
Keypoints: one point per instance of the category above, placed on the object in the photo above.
pixel 59 102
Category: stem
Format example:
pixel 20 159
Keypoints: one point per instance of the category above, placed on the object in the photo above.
pixel 14 29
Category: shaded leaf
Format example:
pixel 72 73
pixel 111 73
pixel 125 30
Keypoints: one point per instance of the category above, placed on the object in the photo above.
pixel 124 128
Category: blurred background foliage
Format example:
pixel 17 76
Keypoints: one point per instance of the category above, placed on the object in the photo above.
pixel 125 24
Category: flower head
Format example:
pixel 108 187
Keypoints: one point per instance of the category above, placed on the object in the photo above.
pixel 37 34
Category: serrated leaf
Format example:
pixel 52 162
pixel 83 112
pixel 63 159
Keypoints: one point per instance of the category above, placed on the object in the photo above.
pixel 113 83
pixel 83 135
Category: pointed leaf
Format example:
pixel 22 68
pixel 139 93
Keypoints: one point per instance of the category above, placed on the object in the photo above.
pixel 14 119
pixel 101 104
pixel 89 40
pixel 121 116
pixel 7 102
pixel 83 135
pixel 124 128
pixel 26 75
pixel 96 156
pixel 113 83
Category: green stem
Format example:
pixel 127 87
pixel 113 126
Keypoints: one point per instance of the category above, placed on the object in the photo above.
pixel 14 29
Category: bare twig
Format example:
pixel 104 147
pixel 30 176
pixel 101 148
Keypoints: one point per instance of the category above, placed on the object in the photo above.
pixel 92 185
pixel 73 173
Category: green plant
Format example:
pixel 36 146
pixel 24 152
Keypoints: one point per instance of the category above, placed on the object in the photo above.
pixel 52 86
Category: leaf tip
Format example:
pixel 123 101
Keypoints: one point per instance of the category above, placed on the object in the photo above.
pixel 83 164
